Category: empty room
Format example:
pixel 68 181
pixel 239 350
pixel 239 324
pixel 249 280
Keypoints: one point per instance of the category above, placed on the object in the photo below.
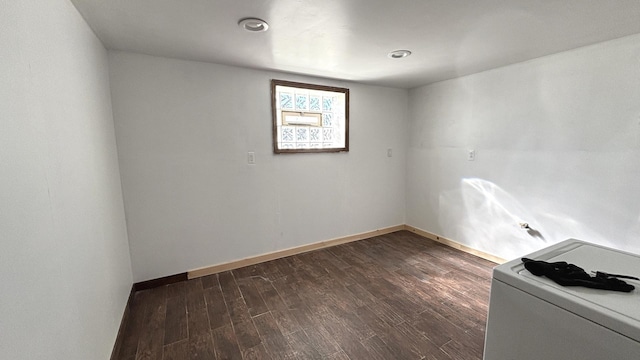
pixel 339 179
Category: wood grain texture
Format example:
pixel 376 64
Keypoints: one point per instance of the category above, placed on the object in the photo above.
pixel 394 296
pixel 175 325
pixel 226 344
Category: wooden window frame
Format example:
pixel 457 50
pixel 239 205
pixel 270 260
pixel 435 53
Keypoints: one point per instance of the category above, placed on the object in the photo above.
pixel 274 111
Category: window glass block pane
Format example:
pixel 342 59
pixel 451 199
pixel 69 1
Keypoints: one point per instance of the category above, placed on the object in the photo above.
pixel 314 103
pixel 288 133
pixel 302 134
pixel 286 101
pixel 327 103
pixel 327 134
pixel 302 102
pixel 327 119
pixel 339 104
pixel 338 119
pixel 288 146
pixel 315 145
pixel 315 134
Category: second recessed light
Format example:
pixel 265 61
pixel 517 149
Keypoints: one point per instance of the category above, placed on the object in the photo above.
pixel 399 54
pixel 253 24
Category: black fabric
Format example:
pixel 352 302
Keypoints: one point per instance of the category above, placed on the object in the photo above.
pixel 604 274
pixel 571 275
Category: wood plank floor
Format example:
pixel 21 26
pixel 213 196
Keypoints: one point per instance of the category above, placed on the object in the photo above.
pixel 396 296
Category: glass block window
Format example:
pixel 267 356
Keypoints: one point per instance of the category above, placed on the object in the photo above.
pixel 309 118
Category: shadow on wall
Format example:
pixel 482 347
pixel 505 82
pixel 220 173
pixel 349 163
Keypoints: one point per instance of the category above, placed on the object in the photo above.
pixel 482 215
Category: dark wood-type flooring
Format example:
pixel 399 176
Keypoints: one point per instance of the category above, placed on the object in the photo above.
pixel 396 296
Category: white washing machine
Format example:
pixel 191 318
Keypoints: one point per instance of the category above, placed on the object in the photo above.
pixel 533 318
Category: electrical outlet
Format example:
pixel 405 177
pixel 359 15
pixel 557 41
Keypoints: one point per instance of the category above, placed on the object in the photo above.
pixel 251 158
pixel 471 155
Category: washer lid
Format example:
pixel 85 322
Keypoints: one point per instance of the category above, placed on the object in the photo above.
pixel 617 311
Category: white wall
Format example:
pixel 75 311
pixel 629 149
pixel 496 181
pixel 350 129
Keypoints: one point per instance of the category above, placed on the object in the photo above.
pixel 64 263
pixel 183 131
pixel 558 147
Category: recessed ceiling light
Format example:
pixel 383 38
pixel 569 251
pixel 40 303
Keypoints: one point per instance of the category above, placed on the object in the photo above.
pixel 253 24
pixel 399 54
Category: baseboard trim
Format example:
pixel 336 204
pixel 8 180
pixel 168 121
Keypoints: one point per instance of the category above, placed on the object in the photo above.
pixel 454 244
pixel 154 283
pixel 123 323
pixel 214 269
